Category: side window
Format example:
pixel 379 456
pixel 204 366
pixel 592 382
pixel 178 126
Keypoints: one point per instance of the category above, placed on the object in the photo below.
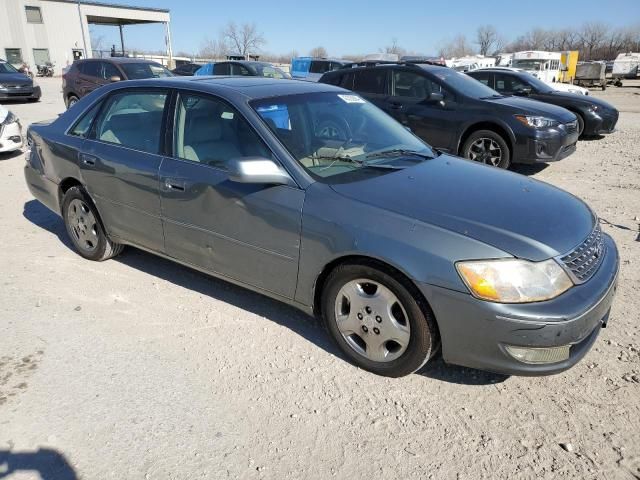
pixel 347 81
pixel 411 85
pixel 319 66
pixel 109 70
pixel 221 69
pixel 133 119
pixel 211 132
pixel 483 77
pixel 508 83
pixel 91 69
pixel 370 81
pixel 82 126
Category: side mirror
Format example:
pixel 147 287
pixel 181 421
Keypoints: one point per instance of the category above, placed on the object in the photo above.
pixel 114 79
pixel 523 92
pixel 436 97
pixel 257 170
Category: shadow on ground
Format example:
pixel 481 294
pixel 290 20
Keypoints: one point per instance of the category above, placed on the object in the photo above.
pixel 308 327
pixel 10 155
pixel 528 169
pixel 48 463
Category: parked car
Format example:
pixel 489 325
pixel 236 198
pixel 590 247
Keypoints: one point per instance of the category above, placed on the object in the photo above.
pixel 186 69
pixel 244 68
pixel 10 131
pixel 398 247
pixel 595 116
pixel 85 76
pixel 17 86
pixel 311 69
pixel 458 115
pixel 558 86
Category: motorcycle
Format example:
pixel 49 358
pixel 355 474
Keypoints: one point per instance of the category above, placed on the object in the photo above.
pixel 45 70
pixel 26 70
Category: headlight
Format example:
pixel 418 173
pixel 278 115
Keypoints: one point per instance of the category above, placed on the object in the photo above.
pixel 536 122
pixel 514 280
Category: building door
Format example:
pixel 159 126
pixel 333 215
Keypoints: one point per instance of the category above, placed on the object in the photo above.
pixel 40 56
pixel 78 54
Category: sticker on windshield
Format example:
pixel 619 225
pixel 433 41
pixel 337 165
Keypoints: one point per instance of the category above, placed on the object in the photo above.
pixel 351 98
pixel 227 115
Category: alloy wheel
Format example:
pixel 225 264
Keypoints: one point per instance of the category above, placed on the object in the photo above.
pixel 83 225
pixel 486 150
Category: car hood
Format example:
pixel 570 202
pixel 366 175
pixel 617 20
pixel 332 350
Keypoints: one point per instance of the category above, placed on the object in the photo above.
pixel 526 106
pixel 521 216
pixel 585 100
pixel 14 78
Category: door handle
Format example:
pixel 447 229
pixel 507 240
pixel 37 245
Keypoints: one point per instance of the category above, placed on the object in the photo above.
pixel 396 106
pixel 89 160
pixel 171 184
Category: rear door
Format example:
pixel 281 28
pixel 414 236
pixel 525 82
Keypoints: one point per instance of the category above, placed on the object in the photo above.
pixel 120 164
pixel 246 232
pixel 435 121
pixel 90 77
pixel 485 78
pixel 509 84
pixel 223 68
pixel 372 83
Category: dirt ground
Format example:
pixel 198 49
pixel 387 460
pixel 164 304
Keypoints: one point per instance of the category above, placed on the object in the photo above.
pixel 139 368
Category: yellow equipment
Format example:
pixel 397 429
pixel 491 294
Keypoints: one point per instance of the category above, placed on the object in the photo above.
pixel 568 64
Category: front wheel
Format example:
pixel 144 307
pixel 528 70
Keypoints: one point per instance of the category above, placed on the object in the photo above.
pixel 71 101
pixel 580 124
pixel 84 228
pixel 487 146
pixel 377 321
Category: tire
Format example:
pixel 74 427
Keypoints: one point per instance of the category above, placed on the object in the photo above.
pixel 33 100
pixel 477 144
pixel 580 124
pixel 378 320
pixel 603 86
pixel 84 227
pixel 71 101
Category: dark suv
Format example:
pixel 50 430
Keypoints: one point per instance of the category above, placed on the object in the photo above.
pixel 595 116
pixel 84 76
pixel 459 115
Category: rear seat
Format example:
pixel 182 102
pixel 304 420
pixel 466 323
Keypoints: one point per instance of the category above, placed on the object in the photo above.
pixel 139 130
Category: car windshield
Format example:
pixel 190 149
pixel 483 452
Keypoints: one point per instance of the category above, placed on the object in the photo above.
pixel 464 84
pixel 7 68
pixel 529 64
pixel 137 71
pixel 335 135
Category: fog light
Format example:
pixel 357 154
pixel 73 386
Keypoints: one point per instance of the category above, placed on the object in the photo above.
pixel 539 355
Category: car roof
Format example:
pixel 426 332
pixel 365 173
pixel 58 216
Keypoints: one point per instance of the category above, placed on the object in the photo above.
pixel 117 60
pixel 247 86
pixel 410 65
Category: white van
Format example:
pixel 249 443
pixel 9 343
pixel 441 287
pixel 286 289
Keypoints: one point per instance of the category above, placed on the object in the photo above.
pixel 626 65
pixel 543 65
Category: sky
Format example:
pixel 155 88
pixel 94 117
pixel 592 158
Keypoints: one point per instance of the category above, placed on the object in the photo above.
pixel 359 26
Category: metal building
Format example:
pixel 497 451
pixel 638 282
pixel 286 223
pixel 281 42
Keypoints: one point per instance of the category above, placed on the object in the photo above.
pixel 39 31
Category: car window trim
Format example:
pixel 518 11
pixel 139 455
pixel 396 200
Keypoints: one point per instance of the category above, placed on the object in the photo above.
pixel 111 94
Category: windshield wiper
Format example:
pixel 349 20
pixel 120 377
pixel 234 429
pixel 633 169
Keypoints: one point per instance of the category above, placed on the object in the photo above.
pixel 492 96
pixel 361 163
pixel 398 152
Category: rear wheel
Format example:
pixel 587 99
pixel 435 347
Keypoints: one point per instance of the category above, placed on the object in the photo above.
pixel 377 321
pixel 580 124
pixel 487 146
pixel 84 228
pixel 72 100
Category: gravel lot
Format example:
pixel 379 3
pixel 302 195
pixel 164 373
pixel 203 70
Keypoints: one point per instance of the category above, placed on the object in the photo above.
pixel 139 368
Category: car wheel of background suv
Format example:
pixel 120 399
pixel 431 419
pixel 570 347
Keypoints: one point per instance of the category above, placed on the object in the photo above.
pixel 84 227
pixel 378 320
pixel 71 101
pixel 487 146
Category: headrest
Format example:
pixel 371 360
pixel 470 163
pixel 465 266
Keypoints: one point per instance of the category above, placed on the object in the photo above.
pixel 202 127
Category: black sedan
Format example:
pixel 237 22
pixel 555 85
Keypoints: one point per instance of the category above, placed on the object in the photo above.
pixel 15 85
pixel 595 116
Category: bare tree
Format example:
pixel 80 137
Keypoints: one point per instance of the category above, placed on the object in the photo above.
pixel 592 35
pixel 458 47
pixel 487 39
pixel 394 48
pixel 245 39
pixel 318 52
pixel 213 49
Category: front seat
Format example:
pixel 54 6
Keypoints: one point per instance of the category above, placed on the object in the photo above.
pixel 204 143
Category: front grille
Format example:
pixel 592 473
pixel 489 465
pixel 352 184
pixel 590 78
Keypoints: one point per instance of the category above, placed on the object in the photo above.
pixel 571 127
pixel 583 261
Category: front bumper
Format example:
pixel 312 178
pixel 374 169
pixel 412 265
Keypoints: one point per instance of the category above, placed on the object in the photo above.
pixel 474 333
pixel 11 137
pixel 600 123
pixel 23 93
pixel 549 145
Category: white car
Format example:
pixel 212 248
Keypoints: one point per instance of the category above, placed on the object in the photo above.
pixel 10 131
